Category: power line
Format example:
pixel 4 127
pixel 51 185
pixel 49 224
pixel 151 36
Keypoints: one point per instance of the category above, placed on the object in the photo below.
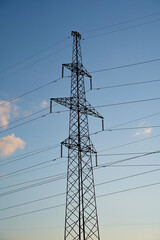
pixel 35 165
pixel 127 159
pixel 99 106
pixel 52 160
pixel 20 119
pixel 131 128
pixel 33 180
pixel 61 176
pixel 31 154
pixel 129 102
pixel 34 211
pixel 129 189
pixel 128 143
pixel 135 120
pixel 21 124
pixel 35 62
pixel 124 85
pixel 119 154
pixel 125 123
pixel 123 165
pixel 99 184
pixel 92 30
pixel 31 91
pixel 136 165
pixel 32 170
pixel 121 23
pixel 50 180
pixel 100 166
pixel 34 55
pixel 121 29
pixel 106 69
pixel 61 205
pixel 33 119
pixel 33 201
pixel 27 154
pixel 101 70
pixel 129 176
pixel 127 65
pixel 91 134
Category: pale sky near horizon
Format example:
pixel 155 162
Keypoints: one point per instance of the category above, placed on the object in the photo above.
pixel 35 39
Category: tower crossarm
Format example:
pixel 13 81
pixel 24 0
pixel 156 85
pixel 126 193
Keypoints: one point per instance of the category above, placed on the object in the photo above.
pixel 73 67
pixel 66 101
pixel 72 144
pixel 71 103
pixel 92 111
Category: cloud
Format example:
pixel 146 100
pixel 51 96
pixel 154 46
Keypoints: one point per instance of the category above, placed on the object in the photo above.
pixel 44 103
pixel 6 108
pixel 144 131
pixel 27 113
pixel 9 144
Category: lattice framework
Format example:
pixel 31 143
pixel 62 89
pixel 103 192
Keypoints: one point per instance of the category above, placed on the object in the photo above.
pixel 81 221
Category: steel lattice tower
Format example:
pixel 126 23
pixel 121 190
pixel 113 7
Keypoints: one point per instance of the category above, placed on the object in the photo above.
pixel 81 221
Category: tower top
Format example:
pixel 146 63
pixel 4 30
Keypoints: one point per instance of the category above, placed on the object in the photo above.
pixel 75 33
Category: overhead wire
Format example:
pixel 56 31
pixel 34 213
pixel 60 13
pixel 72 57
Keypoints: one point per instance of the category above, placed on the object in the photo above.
pixel 64 175
pixel 134 188
pixel 50 180
pixel 128 102
pixel 33 119
pixel 121 23
pixel 129 189
pixel 62 205
pixel 29 171
pixel 31 91
pixel 127 159
pixel 98 184
pixel 60 175
pixel 30 155
pixel 21 124
pixel 123 85
pixel 128 143
pixel 126 65
pixel 128 122
pixel 37 150
pixel 33 180
pixel 96 71
pixel 101 70
pixel 27 116
pixel 34 55
pixel 99 106
pixel 33 63
pixel 92 30
pixel 121 29
pixel 35 165
pixel 132 128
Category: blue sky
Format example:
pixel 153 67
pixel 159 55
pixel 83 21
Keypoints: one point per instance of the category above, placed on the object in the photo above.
pixel 35 40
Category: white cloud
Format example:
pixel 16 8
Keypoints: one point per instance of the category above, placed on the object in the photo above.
pixel 27 113
pixel 147 130
pixel 15 109
pixel 44 103
pixel 9 144
pixel 144 131
pixel 6 110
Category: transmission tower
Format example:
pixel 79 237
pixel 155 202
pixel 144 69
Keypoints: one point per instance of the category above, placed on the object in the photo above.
pixel 81 221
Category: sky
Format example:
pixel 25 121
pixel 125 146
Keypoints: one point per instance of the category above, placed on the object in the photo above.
pixel 122 39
